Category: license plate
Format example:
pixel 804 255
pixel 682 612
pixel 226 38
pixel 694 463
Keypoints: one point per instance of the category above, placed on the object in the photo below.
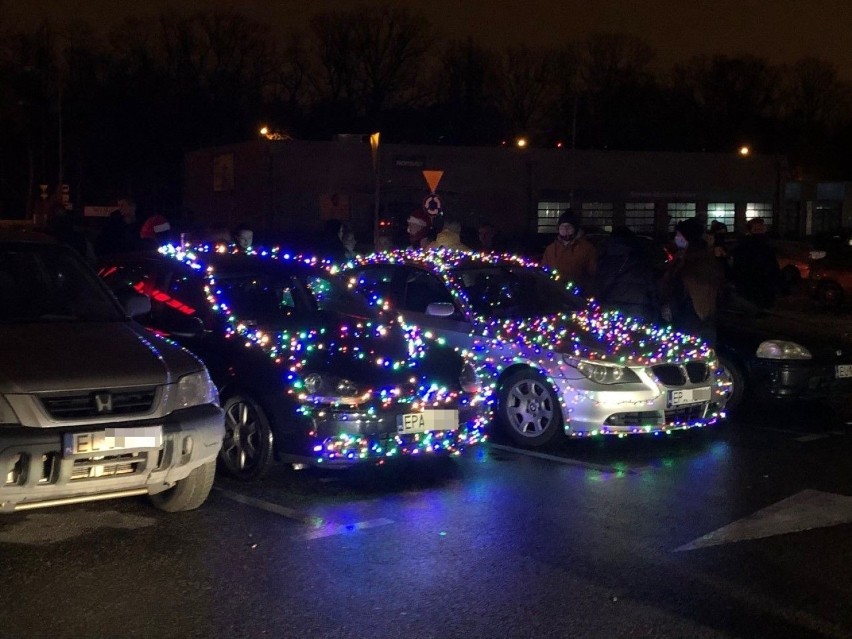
pixel 689 396
pixel 112 439
pixel 843 370
pixel 426 421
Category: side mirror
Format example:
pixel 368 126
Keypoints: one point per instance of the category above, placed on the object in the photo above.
pixel 135 304
pixel 440 309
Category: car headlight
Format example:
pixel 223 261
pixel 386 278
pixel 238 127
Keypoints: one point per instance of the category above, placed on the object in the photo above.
pixel 322 387
pixel 196 389
pixel 782 349
pixel 603 373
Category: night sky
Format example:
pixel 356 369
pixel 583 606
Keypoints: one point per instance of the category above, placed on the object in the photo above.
pixel 780 30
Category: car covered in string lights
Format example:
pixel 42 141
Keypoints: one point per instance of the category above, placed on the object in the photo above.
pixel 555 362
pixel 307 371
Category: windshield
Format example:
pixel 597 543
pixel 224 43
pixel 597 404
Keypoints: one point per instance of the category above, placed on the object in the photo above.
pixel 48 283
pixel 515 292
pixel 271 293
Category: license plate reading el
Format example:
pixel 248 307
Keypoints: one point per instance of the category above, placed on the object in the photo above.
pixel 426 421
pixel 689 396
pixel 112 439
pixel 843 370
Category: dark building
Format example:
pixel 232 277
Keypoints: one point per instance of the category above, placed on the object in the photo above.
pixel 295 185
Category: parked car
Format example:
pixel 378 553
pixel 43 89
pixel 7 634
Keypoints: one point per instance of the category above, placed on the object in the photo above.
pixel 307 371
pixel 830 278
pixel 92 406
pixel 771 358
pixel 557 362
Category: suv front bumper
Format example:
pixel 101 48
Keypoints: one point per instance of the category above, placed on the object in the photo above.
pixel 36 471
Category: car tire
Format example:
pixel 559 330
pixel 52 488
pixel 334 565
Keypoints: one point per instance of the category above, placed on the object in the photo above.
pixel 188 493
pixel 830 294
pixel 529 411
pixel 738 383
pixel 246 452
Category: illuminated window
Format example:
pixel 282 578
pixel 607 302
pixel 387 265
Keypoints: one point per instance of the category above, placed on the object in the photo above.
pixel 679 211
pixel 760 209
pixel 548 216
pixel 639 217
pixel 722 212
pixel 597 215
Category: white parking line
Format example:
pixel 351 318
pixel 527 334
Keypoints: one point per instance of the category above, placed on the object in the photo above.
pixel 813 437
pixel 290 513
pixel 335 529
pixel 568 461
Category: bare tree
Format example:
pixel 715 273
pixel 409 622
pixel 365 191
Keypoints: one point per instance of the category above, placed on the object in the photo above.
pixel 371 57
pixel 526 86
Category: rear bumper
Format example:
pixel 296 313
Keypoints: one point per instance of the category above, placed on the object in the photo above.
pixel 35 471
pixel 343 438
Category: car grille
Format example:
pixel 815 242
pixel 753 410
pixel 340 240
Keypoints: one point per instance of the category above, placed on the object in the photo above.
pixel 685 414
pixel 86 404
pixel 677 375
pixel 110 466
pixel 636 419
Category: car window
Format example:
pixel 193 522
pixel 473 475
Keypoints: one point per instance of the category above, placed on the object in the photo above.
pixel 331 295
pixel 46 283
pixel 515 292
pixel 376 283
pixel 262 298
pixel 423 288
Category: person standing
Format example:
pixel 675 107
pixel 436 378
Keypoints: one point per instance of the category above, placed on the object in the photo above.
pixel 418 226
pixel 449 236
pixel 754 267
pixel 571 253
pixel 625 280
pixel 692 284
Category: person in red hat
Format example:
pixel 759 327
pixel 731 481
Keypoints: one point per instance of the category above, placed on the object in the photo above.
pixel 419 225
pixel 155 232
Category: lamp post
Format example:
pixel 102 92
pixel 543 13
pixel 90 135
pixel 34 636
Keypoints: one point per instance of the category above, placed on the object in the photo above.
pixel 374 151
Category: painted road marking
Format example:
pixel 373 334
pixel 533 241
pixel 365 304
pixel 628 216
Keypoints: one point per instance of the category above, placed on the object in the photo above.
pixel 336 529
pixel 805 510
pixel 568 461
pixel 326 530
pixel 811 438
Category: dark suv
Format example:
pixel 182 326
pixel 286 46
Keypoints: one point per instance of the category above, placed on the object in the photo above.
pixel 308 372
pixel 92 406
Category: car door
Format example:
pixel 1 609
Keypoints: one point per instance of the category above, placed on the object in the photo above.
pixel 409 291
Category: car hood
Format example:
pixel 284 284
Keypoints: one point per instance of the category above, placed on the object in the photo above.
pixel 596 334
pixel 73 356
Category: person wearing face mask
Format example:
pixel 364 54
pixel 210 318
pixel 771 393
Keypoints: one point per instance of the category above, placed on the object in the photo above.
pixel 572 254
pixel 691 285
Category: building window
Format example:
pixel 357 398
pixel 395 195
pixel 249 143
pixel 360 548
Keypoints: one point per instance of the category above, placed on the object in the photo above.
pixel 679 211
pixel 827 217
pixel 723 212
pixel 762 210
pixel 548 216
pixel 597 215
pixel 639 217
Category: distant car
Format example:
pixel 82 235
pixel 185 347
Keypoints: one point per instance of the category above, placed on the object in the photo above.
pixel 558 364
pixel 92 406
pixel 307 371
pixel 830 278
pixel 794 260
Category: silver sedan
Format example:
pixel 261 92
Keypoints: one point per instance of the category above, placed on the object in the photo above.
pixel 557 363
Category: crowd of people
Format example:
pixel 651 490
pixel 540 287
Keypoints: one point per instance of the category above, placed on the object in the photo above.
pixel 686 293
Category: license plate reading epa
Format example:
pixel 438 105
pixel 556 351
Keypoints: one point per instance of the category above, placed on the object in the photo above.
pixel 689 396
pixel 843 370
pixel 426 421
pixel 112 439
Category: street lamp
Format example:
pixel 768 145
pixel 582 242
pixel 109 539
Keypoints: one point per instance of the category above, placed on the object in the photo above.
pixel 745 150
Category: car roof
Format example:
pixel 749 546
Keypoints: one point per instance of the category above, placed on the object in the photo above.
pixel 21 235
pixel 439 259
